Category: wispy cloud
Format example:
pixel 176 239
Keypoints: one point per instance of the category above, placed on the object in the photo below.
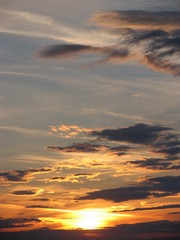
pixel 23 130
pixel 29 24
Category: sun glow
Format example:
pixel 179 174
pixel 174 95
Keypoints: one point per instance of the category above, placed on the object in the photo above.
pixel 91 219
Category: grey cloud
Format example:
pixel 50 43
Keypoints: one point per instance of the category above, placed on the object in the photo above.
pixel 152 187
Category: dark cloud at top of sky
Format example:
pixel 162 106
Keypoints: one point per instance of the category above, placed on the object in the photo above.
pixel 152 38
pixel 152 187
pixel 165 230
pixel 139 134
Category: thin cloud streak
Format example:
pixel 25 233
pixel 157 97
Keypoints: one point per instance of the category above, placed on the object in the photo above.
pixel 38 24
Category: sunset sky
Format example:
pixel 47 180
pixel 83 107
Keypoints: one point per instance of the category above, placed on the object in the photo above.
pixel 90 119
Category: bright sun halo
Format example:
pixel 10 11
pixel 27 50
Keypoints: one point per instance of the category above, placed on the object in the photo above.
pixel 90 219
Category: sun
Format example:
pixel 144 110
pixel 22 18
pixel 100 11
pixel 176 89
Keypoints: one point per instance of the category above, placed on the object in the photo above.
pixel 90 219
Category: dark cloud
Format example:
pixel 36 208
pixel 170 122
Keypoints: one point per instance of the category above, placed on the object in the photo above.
pixel 24 192
pixel 139 134
pixel 151 38
pixel 170 206
pixel 159 230
pixel 152 187
pixel 21 175
pixel 17 222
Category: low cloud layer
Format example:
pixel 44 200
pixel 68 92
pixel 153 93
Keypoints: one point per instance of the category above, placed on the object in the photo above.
pixel 163 229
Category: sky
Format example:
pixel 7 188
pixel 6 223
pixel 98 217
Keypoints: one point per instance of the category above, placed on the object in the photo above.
pixel 89 119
